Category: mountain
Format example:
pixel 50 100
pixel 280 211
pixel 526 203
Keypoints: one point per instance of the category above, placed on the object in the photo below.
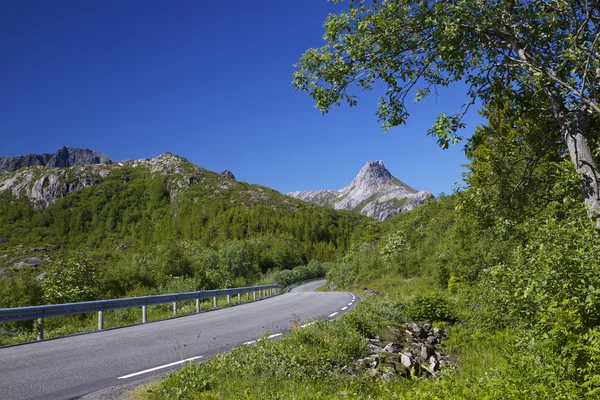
pixel 374 192
pixel 63 158
pixel 183 215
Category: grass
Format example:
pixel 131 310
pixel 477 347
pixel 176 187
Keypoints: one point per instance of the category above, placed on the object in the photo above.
pixel 313 362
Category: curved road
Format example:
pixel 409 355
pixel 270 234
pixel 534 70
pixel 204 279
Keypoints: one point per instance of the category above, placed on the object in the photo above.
pixel 73 366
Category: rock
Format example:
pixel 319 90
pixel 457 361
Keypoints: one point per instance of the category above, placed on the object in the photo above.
pixel 434 365
pixel 368 362
pixel 432 340
pixel 406 360
pixel 33 260
pixel 426 351
pixel 373 348
pixel 418 331
pixel 426 327
pixel 371 291
pixel 20 265
pixel 40 277
pixel 437 332
pixel 123 246
pixel 393 348
pixel 227 174
pixel 374 192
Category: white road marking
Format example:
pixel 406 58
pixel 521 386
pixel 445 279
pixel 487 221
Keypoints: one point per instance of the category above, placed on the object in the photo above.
pixel 349 304
pixel 275 335
pixel 332 315
pixel 251 342
pixel 159 367
pixel 344 308
pixel 309 324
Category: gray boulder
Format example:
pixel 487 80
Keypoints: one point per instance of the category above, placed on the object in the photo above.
pixel 227 174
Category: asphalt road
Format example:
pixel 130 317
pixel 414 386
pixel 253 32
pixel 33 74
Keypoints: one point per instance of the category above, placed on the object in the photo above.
pixel 73 366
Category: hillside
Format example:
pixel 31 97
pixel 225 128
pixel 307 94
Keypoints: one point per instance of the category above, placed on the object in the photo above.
pixel 159 219
pixel 374 192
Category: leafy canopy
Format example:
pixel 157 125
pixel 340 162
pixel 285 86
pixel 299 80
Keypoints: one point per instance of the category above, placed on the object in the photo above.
pixel 412 47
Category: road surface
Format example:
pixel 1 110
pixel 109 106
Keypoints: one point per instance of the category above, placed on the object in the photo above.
pixel 73 366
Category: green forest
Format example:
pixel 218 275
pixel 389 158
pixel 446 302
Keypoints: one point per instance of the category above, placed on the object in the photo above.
pixel 128 237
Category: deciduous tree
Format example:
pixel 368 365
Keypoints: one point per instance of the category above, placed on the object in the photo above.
pixel 513 47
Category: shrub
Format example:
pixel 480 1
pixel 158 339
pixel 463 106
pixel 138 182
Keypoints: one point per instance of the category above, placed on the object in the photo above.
pixel 71 280
pixel 430 307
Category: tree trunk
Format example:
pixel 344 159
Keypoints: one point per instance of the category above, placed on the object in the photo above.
pixel 581 156
pixel 575 130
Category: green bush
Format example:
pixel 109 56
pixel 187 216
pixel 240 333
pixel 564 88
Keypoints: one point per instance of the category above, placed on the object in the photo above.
pixel 430 307
pixel 71 280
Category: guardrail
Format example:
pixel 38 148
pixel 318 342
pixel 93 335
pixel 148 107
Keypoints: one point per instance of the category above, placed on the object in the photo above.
pixel 295 284
pixel 100 306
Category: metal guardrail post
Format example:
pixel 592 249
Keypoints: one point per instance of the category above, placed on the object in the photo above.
pixel 100 320
pixel 215 302
pixel 228 299
pixel 144 314
pixel 254 294
pixel 40 329
pixel 239 297
pixel 174 308
pixel 197 305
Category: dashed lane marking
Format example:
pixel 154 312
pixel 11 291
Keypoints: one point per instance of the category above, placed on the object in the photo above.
pixel 333 315
pixel 344 308
pixel 159 367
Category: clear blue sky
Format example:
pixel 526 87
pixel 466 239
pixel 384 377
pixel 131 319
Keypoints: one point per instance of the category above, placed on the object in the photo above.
pixel 209 81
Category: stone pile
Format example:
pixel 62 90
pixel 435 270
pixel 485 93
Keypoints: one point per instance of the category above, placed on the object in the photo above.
pixel 416 350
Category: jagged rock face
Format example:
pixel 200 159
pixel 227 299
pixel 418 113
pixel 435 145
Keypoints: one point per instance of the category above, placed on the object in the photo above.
pixel 63 158
pixel 44 185
pixel 227 174
pixel 374 192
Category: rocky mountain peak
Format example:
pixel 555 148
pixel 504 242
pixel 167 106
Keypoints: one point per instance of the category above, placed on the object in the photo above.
pixel 374 192
pixel 64 157
pixel 374 171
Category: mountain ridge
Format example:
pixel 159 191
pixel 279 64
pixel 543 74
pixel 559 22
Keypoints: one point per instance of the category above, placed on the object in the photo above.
pixel 374 192
pixel 64 157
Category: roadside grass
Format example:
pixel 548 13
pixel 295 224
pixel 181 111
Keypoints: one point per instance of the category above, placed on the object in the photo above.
pixel 314 362
pixel 11 333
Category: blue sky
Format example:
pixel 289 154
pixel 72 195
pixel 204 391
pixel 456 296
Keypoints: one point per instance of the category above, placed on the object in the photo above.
pixel 209 81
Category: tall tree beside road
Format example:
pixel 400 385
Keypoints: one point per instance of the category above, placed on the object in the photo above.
pixel 510 48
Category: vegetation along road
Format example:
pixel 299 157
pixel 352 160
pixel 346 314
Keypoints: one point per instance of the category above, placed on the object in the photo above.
pixel 76 365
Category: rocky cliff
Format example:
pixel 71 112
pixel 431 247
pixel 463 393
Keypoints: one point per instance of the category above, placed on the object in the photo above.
pixel 63 158
pixel 70 170
pixel 374 192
